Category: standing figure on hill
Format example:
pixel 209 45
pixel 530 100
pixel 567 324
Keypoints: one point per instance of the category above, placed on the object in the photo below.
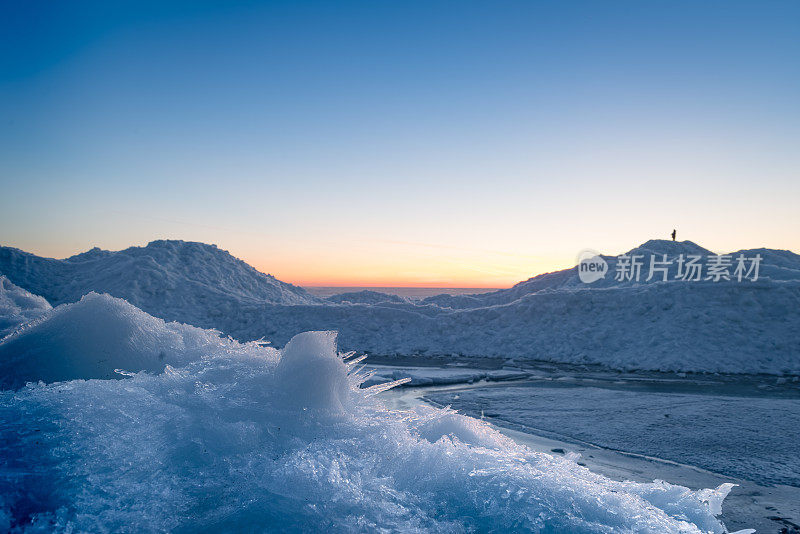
pixel 673 234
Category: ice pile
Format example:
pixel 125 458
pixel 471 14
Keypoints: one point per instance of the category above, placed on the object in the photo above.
pixel 242 437
pixel 18 306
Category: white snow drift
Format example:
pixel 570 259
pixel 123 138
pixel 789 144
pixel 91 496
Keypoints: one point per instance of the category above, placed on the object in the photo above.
pixel 232 436
pixel 729 327
pixel 98 337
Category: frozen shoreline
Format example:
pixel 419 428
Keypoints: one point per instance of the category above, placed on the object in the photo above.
pixel 749 505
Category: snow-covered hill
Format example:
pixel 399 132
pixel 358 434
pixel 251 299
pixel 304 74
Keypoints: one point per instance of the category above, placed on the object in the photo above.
pixel 193 283
pixel 675 325
pixel 776 265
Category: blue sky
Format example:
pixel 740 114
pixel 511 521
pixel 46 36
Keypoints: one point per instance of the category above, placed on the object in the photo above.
pixel 421 143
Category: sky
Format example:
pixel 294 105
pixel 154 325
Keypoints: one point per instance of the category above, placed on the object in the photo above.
pixel 389 143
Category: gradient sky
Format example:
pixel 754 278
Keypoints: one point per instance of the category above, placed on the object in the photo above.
pixel 400 143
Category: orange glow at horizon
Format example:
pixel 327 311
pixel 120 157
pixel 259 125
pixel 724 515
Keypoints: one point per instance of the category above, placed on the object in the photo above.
pixel 452 283
pixel 459 269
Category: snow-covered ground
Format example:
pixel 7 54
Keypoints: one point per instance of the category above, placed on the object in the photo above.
pixel 706 326
pixel 197 432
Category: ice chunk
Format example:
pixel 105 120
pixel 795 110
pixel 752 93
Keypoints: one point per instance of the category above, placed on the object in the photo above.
pixel 714 497
pixel 312 374
pixel 435 424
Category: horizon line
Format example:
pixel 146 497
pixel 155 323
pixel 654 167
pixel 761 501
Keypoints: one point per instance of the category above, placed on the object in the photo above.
pixel 397 286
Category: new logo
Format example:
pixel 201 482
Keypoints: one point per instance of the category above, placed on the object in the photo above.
pixel 591 266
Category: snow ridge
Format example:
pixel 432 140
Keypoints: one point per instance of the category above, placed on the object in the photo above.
pixel 727 326
pixel 190 282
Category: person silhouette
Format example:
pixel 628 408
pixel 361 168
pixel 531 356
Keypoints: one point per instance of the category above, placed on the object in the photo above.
pixel 673 234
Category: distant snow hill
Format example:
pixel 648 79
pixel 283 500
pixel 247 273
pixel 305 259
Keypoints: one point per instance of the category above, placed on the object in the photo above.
pixel 193 283
pixel 674 325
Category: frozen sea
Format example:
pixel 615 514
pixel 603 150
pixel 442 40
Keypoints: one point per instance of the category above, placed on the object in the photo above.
pixel 693 430
pixel 737 434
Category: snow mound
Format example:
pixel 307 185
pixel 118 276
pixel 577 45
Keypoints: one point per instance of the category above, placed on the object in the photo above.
pixel 96 337
pixel 18 306
pixel 247 438
pixel 193 283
